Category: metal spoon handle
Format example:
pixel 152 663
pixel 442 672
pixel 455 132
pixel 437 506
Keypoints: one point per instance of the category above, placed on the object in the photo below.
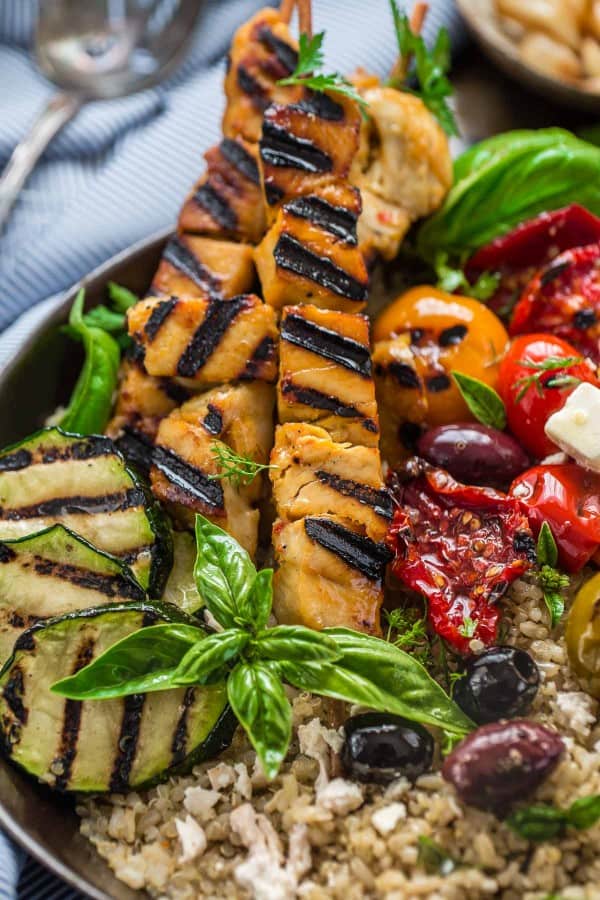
pixel 59 110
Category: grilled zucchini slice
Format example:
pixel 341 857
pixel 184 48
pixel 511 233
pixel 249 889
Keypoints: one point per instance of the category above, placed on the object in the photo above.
pixel 83 483
pixel 102 745
pixel 52 573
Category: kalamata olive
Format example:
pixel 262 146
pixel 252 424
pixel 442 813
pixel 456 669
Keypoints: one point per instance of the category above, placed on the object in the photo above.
pixel 379 747
pixel 502 762
pixel 501 683
pixel 474 453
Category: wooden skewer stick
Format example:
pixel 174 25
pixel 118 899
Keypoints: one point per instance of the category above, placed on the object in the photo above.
pixel 286 9
pixel 305 17
pixel 416 22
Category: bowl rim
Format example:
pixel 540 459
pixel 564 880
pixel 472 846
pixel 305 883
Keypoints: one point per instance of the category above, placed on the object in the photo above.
pixel 55 315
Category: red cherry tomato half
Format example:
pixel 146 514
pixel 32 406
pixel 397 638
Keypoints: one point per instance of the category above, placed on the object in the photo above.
pixel 567 497
pixel 563 299
pixel 517 256
pixel 536 376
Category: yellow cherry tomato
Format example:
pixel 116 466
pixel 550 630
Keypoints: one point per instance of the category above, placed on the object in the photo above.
pixel 447 333
pixel 583 635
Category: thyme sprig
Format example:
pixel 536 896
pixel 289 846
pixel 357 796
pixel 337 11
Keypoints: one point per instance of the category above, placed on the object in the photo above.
pixel 239 470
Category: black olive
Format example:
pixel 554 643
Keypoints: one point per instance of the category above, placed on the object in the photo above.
pixel 379 747
pixel 501 683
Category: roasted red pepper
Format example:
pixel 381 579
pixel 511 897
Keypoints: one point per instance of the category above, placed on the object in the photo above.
pixel 518 255
pixel 461 546
pixel 564 299
pixel 567 497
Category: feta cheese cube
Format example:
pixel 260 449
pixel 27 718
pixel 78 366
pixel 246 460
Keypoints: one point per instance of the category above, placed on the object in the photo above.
pixel 576 427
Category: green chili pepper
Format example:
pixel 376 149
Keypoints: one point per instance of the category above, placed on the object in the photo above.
pixel 91 401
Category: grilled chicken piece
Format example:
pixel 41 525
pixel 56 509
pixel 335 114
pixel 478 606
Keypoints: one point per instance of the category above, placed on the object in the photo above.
pixel 325 374
pixel 142 401
pixel 206 342
pixel 203 267
pixel 314 475
pixel 184 458
pixel 307 145
pixel 262 53
pixel 227 201
pixel 403 168
pixel 310 253
pixel 401 398
pixel 328 573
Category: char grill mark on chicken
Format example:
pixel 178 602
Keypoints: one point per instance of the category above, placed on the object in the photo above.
pixel 185 464
pixel 325 374
pixel 307 145
pixel 202 267
pixel 262 53
pixel 310 253
pixel 206 342
pixel 227 201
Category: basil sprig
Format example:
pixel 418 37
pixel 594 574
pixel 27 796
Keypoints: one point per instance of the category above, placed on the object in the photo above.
pixel 255 661
pixel 552 581
pixel 483 401
pixel 544 822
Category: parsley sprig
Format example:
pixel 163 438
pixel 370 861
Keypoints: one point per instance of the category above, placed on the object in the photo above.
pixel 430 68
pixel 557 364
pixel 306 73
pixel 552 582
pixel 239 470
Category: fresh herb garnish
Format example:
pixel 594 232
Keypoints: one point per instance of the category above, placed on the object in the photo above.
pixel 544 822
pixel 434 859
pixel 255 661
pixel 483 401
pixel 552 582
pixel 90 405
pixel 306 73
pixel 112 318
pixel 430 69
pixel 468 627
pixel 239 470
pixel 539 369
pixel 407 630
pixel 453 279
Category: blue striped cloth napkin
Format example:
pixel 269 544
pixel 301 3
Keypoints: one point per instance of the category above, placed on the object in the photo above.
pixel 119 172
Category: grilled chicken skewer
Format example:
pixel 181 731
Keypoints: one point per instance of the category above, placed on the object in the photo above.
pixel 328 489
pixel 201 330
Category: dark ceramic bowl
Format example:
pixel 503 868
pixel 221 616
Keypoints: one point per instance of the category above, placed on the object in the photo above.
pixel 34 382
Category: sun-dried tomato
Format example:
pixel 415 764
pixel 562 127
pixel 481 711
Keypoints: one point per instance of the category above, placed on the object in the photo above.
pixel 564 299
pixel 518 255
pixel 461 546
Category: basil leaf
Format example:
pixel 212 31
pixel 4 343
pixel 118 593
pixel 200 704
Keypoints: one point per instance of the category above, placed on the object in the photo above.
pixel 297 643
pixel 483 401
pixel 224 575
pixel 434 858
pixel 90 405
pixel 547 551
pixel 538 823
pixel 141 662
pixel 261 598
pixel 584 813
pixel 210 654
pixel 401 677
pixel 257 697
pixel 506 180
pixel 106 319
